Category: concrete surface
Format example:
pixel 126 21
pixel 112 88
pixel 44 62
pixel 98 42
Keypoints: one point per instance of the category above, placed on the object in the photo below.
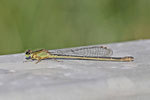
pixel 79 79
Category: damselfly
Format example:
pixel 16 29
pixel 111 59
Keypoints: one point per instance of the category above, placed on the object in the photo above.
pixel 98 53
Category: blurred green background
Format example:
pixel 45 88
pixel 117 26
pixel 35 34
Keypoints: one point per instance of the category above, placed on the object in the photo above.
pixel 53 24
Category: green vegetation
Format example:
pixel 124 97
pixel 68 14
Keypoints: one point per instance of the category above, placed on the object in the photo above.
pixel 53 24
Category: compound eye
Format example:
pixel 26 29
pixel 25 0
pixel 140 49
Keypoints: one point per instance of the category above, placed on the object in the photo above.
pixel 28 52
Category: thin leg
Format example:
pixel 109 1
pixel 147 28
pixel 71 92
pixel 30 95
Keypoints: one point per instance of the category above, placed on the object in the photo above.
pixel 38 61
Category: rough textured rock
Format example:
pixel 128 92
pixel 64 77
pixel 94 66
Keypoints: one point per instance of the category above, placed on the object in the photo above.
pixel 79 79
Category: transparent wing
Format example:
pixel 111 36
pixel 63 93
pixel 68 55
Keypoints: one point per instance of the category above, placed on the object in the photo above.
pixel 42 54
pixel 96 51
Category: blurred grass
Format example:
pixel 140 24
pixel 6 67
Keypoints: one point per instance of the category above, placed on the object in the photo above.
pixel 55 24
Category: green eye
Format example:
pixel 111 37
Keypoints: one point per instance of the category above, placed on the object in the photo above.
pixel 28 52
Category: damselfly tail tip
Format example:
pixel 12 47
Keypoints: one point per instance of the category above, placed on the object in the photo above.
pixel 128 58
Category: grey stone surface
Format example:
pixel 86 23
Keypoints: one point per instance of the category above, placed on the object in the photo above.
pixel 79 79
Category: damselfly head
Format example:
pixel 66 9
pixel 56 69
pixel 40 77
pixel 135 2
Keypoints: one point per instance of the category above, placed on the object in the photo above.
pixel 28 54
